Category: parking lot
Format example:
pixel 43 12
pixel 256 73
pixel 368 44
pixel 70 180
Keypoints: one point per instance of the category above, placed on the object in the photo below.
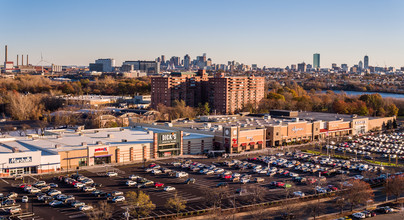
pixel 277 176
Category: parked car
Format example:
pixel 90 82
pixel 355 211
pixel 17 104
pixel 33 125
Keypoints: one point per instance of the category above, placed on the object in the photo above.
pixel 86 208
pixel 89 189
pixel 130 183
pixel 56 203
pixel 118 199
pixel 359 215
pixel 111 174
pixel 77 204
pixel 157 184
pixel 298 194
pixel 14 210
pixel 24 199
pixel 53 185
pixel 169 188
pixel 189 180
pixel 117 193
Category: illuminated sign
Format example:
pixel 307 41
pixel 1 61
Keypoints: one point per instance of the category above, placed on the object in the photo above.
pixel 101 149
pixel 20 160
pixel 169 138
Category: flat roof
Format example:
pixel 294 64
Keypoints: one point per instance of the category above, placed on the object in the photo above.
pixel 68 139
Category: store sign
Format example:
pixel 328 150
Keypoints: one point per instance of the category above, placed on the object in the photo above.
pixel 169 138
pixel 20 160
pixel 360 122
pixel 295 129
pixel 101 149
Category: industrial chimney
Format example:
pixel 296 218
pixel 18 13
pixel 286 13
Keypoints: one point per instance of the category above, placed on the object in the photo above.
pixel 22 59
pixel 27 59
pixel 17 59
pixel 6 53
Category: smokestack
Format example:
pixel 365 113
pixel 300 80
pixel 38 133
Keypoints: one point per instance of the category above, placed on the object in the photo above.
pixel 17 59
pixel 6 53
pixel 27 59
pixel 22 59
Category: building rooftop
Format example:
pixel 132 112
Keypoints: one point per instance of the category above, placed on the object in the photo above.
pixel 67 139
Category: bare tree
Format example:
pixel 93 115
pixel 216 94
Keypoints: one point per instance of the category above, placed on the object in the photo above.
pixel 257 193
pixel 216 196
pixel 394 186
pixel 357 192
pixel 289 210
pixel 101 211
pixel 313 208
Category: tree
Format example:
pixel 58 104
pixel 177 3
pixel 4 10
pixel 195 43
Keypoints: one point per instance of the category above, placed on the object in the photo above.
pixel 357 192
pixel 394 186
pixel 176 203
pixel 203 109
pixel 216 196
pixel 314 208
pixel 102 211
pixel 140 203
pixel 257 193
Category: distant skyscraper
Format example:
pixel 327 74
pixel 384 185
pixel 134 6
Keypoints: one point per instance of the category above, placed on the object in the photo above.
pixel 360 65
pixel 301 67
pixel 187 61
pixel 163 59
pixel 366 62
pixel 344 67
pixel 316 60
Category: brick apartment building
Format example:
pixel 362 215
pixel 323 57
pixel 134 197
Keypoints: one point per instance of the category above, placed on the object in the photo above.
pixel 225 95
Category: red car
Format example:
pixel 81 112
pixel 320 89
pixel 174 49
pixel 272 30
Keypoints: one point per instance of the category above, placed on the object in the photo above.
pixel 227 177
pixel 74 183
pixel 157 184
pixel 23 185
pixel 152 165
pixel 280 184
pixel 333 188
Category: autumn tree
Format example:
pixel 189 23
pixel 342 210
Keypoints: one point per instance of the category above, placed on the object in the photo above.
pixel 140 203
pixel 177 203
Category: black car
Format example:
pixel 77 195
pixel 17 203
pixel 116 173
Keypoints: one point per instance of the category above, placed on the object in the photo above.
pixel 222 184
pixel 189 180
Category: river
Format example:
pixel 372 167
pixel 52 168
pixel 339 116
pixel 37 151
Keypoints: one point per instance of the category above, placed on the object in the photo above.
pixel 384 95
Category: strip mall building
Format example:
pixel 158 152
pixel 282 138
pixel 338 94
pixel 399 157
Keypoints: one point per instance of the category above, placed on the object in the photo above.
pixel 70 149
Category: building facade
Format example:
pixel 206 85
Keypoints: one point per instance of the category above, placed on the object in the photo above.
pixel 225 95
pixel 316 60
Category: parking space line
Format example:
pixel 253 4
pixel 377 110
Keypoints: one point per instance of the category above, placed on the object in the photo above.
pixel 4 181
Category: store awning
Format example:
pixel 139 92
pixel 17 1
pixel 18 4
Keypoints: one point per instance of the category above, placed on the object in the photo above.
pixel 107 155
pixel 169 149
pixel 259 142
pixel 234 145
pixel 244 144
pixel 252 143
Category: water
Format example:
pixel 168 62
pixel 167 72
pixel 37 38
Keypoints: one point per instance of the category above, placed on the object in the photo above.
pixel 384 95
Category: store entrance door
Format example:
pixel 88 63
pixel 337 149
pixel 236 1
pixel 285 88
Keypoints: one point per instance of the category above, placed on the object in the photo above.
pixel 16 171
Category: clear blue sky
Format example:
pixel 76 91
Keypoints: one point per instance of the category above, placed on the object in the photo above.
pixel 268 32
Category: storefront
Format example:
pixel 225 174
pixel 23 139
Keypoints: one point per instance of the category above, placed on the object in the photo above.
pixel 27 163
pixel 101 155
pixel 167 144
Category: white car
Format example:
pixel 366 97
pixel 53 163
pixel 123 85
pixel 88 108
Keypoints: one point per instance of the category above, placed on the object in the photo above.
pixel 89 189
pixel 134 177
pixel 130 183
pixel 118 199
pixel 79 185
pixel 24 199
pixel 244 180
pixel 34 190
pixel 298 194
pixel 111 174
pixel 169 188
pixel 359 215
pixel 155 172
pixel 54 192
pixel 86 208
pixel 40 183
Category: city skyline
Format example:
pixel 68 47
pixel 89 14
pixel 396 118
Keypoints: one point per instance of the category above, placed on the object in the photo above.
pixel 272 34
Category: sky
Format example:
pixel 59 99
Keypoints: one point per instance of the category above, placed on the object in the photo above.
pixel 273 33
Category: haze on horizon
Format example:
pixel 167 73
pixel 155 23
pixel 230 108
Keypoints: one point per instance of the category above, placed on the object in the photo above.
pixel 267 33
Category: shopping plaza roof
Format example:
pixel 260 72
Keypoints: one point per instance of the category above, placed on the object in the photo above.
pixel 67 139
